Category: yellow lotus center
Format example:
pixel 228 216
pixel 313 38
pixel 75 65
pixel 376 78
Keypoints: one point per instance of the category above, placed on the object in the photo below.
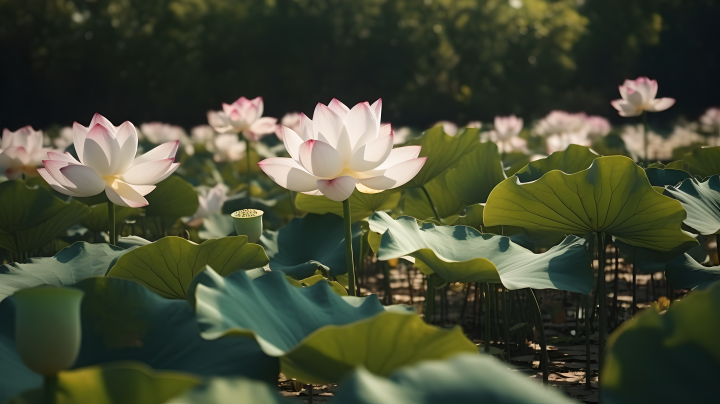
pixel 110 180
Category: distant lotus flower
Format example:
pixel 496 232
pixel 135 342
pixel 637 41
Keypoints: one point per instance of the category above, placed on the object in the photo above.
pixel 401 135
pixel 561 142
pixel 290 120
pixel 639 95
pixel 228 148
pixel 474 124
pixel 597 126
pixel 243 116
pixel 64 140
pixel 507 127
pixel 448 127
pixel 711 119
pixel 341 149
pixel 562 123
pixel 158 132
pixel 21 152
pixel 107 163
pixel 211 202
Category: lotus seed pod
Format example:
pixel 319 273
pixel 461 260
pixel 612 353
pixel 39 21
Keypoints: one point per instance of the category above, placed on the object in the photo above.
pixel 248 222
pixel 47 328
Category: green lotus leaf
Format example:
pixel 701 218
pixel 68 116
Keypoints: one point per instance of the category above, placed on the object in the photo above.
pixel 97 220
pixel 649 261
pixel 670 357
pixel 705 160
pixel 122 320
pixel 222 390
pixel 122 382
pixel 172 198
pixel 361 205
pixel 217 225
pixel 574 159
pixel 442 151
pixel 303 283
pixel 463 379
pixel 473 217
pixel 415 203
pixel 684 272
pixel 310 243
pixel 32 217
pixel 514 162
pixel 71 265
pixel 660 177
pixel 701 200
pixel 318 335
pixel 477 174
pixel 168 265
pixel 675 165
pixel 612 196
pixel 462 254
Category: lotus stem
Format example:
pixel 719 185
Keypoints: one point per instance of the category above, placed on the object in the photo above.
pixel 49 389
pixel 646 129
pixel 348 248
pixel 429 299
pixel 249 165
pixel 506 322
pixel 386 283
pixel 111 223
pixel 615 290
pixel 586 303
pixel 634 285
pixel 541 331
pixel 601 295
pixel 432 205
pixel 486 286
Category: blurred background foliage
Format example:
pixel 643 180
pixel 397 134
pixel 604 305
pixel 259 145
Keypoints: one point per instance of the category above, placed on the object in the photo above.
pixel 462 60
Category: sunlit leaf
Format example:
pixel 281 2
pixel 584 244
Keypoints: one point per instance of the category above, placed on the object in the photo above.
pixel 415 203
pixel 684 272
pixel 570 161
pixel 705 160
pixel 232 391
pixel 172 198
pixel 361 205
pixel 477 174
pixel 701 200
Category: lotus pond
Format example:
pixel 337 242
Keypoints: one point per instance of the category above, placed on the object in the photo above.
pixel 332 257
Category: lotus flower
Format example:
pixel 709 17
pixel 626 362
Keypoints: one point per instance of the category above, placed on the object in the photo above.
pixel 639 95
pixel 449 128
pixel 291 120
pixel 507 127
pixel 64 139
pixel 228 148
pixel 562 123
pixel 711 119
pixel 341 149
pixel 211 202
pixel 107 162
pixel 597 126
pixel 243 116
pixel 21 152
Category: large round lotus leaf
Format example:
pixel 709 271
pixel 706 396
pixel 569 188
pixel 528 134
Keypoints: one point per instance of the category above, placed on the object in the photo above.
pixel 122 320
pixel 570 161
pixel 464 379
pixel 232 391
pixel 649 261
pixel 71 265
pixel 473 217
pixel 462 254
pixel 361 205
pixel 318 335
pixel 684 272
pixel 168 265
pixel 122 382
pixel 705 160
pixel 668 358
pixel 310 243
pixel 660 177
pixel 97 220
pixel 442 151
pixel 612 196
pixel 701 200
pixel 217 225
pixel 477 174
pixel 32 217
pixel 173 198
pixel 415 203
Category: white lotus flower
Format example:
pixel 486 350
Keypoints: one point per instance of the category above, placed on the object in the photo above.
pixel 711 119
pixel 65 139
pixel 21 152
pixel 342 149
pixel 507 127
pixel 449 128
pixel 211 202
pixel 556 143
pixel 228 148
pixel 107 162
pixel 158 133
pixel 290 120
pixel 597 126
pixel 562 123
pixel 243 116
pixel 639 95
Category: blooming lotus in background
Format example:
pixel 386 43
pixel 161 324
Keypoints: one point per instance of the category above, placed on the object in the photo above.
pixel 106 162
pixel 711 122
pixel 64 140
pixel 211 202
pixel 243 116
pixel 638 96
pixel 21 152
pixel 158 132
pixel 507 127
pixel 228 148
pixel 597 126
pixel 562 123
pixel 449 128
pixel 290 120
pixel 556 143
pixel 341 149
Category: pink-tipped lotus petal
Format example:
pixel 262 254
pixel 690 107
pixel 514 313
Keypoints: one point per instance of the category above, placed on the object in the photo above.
pixel 53 169
pixel 395 176
pixel 259 107
pixel 361 125
pixel 327 125
pixel 338 189
pixel 219 123
pixel 263 126
pixel 167 172
pixel 84 180
pixel 98 119
pixel 14 156
pixel 164 151
pixel 384 130
pixel 338 107
pixel 79 134
pixel 99 149
pixel 292 142
pixel 376 107
pixel 54 184
pixel 124 194
pixel 127 138
pixel 147 173
pixel 320 159
pixel 67 157
pixel 289 174
pixel 306 128
pixel 372 154
pixel 661 104
pixel 625 108
pixel 400 155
